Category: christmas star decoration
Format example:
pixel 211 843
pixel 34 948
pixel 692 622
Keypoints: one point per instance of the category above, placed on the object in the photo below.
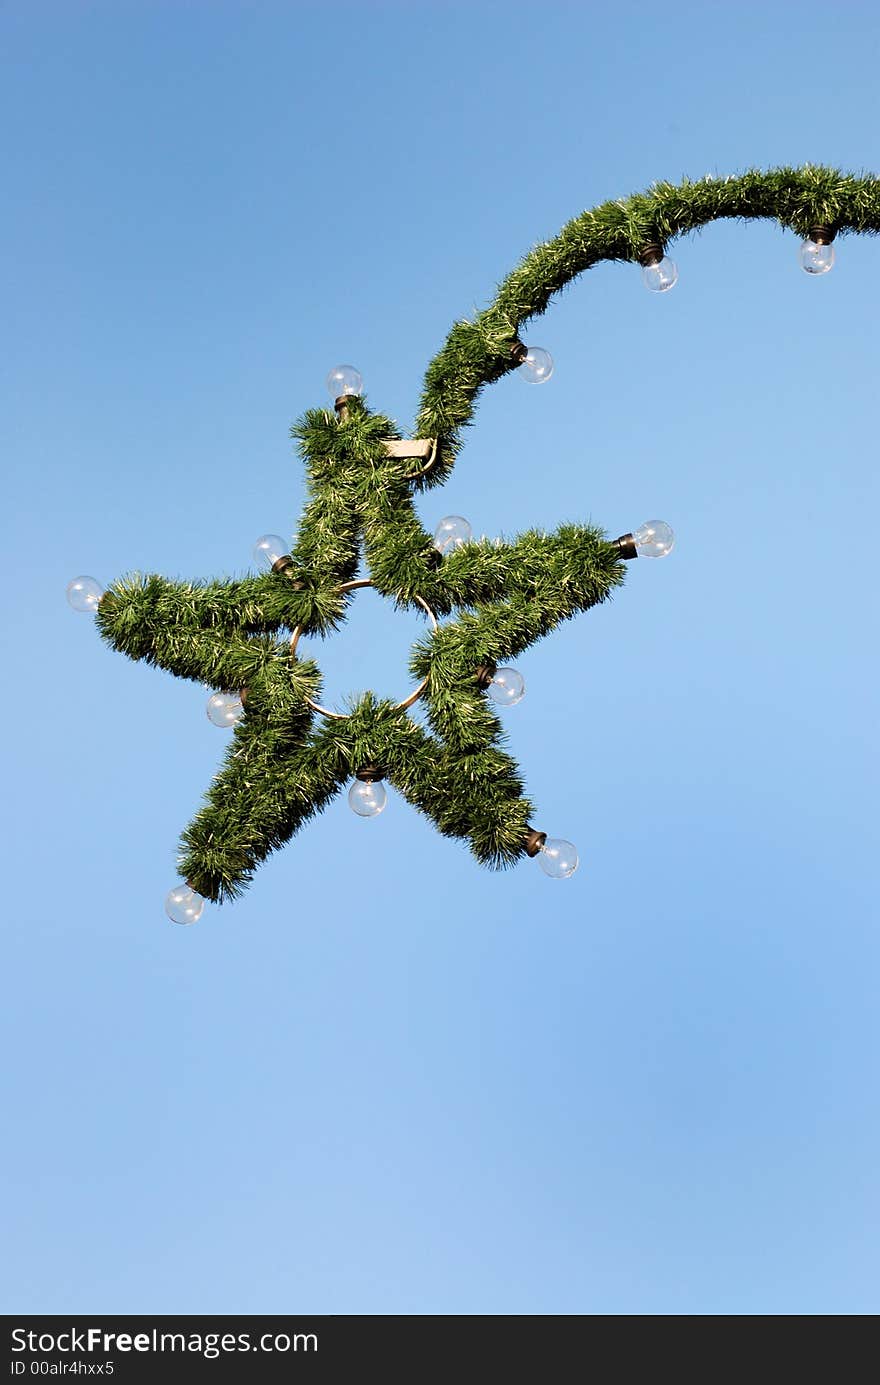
pixel 486 601
pixel 289 756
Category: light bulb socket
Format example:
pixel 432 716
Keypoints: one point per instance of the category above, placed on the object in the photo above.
pixel 484 674
pixel 341 405
pixel 433 558
pixel 651 253
pixel 369 774
pixel 519 351
pixel 243 694
pixel 284 566
pixel 533 841
pixel 820 235
pixel 626 547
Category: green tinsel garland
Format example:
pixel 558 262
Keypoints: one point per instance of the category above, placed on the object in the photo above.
pixel 285 761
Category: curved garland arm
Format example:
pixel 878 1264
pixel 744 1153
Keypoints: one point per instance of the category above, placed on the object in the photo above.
pixel 479 352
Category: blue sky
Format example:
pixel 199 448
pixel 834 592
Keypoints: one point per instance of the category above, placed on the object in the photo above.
pixel 385 1081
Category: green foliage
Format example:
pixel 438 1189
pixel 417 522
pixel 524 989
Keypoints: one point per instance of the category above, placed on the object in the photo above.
pixel 285 763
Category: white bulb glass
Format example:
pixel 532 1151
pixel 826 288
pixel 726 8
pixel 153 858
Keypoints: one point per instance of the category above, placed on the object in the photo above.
pixel 662 276
pixel 816 258
pixel 268 549
pixel 344 379
pixel 653 539
pixel 83 594
pixel 224 709
pixel 367 800
pixel 558 858
pixel 507 687
pixel 183 905
pixel 451 533
pixel 536 366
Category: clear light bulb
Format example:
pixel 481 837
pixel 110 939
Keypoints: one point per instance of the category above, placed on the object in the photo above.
pixel 367 799
pixel 451 533
pixel 507 687
pixel 268 549
pixel 83 594
pixel 184 905
pixel 224 709
pixel 536 365
pixel 558 859
pixel 661 275
pixel 653 539
pixel 816 257
pixel 344 379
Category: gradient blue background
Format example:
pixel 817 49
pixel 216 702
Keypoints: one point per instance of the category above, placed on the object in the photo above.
pixel 386 1081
